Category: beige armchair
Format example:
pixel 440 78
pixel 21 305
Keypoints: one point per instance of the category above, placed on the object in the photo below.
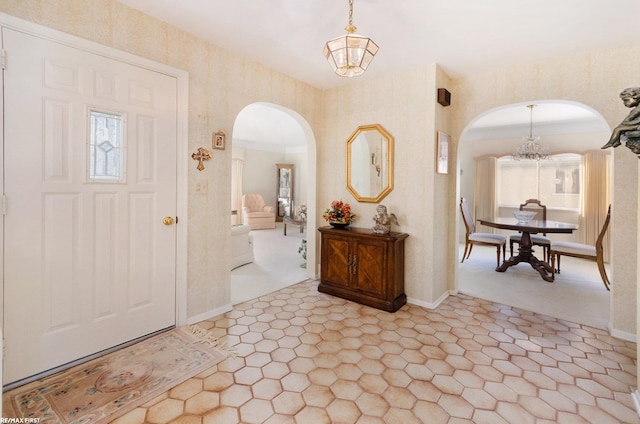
pixel 256 214
pixel 241 245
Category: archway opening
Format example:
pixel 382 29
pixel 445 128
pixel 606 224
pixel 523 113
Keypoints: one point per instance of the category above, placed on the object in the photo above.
pixel 577 294
pixel 265 135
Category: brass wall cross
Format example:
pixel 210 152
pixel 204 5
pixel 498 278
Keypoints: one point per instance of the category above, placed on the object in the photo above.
pixel 202 155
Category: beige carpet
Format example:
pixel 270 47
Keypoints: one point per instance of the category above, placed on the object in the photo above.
pixel 102 389
pixel 277 264
pixel 577 294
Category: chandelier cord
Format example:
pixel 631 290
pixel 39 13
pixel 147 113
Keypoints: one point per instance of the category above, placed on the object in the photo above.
pixel 531 121
pixel 350 28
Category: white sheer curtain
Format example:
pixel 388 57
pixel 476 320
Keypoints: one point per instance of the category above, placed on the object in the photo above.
pixel 596 198
pixel 236 190
pixel 485 204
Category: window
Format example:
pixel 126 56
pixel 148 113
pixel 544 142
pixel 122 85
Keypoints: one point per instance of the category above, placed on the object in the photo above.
pixel 106 146
pixel 555 182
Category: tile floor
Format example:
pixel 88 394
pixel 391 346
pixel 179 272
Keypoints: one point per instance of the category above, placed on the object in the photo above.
pixel 307 357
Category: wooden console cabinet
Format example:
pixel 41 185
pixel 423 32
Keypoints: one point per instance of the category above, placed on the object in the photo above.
pixel 364 267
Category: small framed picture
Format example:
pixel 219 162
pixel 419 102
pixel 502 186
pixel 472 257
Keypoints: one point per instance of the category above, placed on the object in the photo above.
pixel 442 160
pixel 219 139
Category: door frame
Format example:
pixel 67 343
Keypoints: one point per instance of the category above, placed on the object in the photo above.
pixel 182 82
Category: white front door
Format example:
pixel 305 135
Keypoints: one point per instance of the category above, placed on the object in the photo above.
pixel 89 175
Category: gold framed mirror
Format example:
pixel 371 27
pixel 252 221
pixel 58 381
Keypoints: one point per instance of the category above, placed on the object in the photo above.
pixel 370 163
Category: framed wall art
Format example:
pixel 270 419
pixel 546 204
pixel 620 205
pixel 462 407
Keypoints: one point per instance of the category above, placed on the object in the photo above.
pixel 442 159
pixel 219 139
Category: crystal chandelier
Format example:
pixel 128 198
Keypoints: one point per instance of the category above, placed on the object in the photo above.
pixel 530 149
pixel 350 54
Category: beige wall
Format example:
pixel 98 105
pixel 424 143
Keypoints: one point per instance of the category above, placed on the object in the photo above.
pixel 444 223
pixel 404 104
pixel 259 174
pixel 221 84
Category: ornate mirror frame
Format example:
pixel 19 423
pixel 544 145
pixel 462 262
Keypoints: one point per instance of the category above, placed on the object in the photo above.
pixel 370 163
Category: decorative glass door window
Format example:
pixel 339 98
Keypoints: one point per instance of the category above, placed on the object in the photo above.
pixel 106 146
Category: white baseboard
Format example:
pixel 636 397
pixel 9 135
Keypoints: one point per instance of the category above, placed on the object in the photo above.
pixel 210 314
pixel 630 337
pixel 427 305
pixel 636 401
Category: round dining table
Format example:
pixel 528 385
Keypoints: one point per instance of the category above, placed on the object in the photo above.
pixel 525 251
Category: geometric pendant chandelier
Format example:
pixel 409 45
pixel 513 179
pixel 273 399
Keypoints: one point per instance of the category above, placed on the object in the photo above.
pixel 350 54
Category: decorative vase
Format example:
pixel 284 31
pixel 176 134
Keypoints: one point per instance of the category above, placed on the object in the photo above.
pixel 336 224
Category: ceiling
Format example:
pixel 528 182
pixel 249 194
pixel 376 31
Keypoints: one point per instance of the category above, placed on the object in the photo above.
pixel 464 37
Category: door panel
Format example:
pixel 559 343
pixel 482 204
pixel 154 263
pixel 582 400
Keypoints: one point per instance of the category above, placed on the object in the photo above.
pixel 88 261
pixel 370 268
pixel 337 269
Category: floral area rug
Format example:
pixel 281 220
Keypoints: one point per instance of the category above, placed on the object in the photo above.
pixel 105 388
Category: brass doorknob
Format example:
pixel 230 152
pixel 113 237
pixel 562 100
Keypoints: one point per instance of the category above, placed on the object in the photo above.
pixel 168 220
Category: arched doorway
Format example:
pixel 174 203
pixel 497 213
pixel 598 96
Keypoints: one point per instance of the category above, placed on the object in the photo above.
pixel 563 127
pixel 264 135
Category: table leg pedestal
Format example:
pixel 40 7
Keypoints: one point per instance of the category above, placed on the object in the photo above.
pixel 525 254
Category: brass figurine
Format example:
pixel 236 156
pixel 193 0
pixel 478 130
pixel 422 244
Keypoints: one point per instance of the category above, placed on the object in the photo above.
pixel 629 129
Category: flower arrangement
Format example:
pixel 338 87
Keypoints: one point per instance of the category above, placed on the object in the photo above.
pixel 301 212
pixel 339 212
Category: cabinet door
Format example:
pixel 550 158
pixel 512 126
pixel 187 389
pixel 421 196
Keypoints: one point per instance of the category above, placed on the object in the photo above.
pixel 336 255
pixel 370 275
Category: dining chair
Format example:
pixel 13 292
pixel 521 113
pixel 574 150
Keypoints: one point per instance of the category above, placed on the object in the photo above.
pixel 472 237
pixel 536 239
pixel 585 251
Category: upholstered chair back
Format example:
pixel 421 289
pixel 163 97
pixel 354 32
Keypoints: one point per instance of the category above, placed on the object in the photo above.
pixel 254 202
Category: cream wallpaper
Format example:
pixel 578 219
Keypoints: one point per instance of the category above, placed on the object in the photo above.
pixel 404 106
pixel 221 84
